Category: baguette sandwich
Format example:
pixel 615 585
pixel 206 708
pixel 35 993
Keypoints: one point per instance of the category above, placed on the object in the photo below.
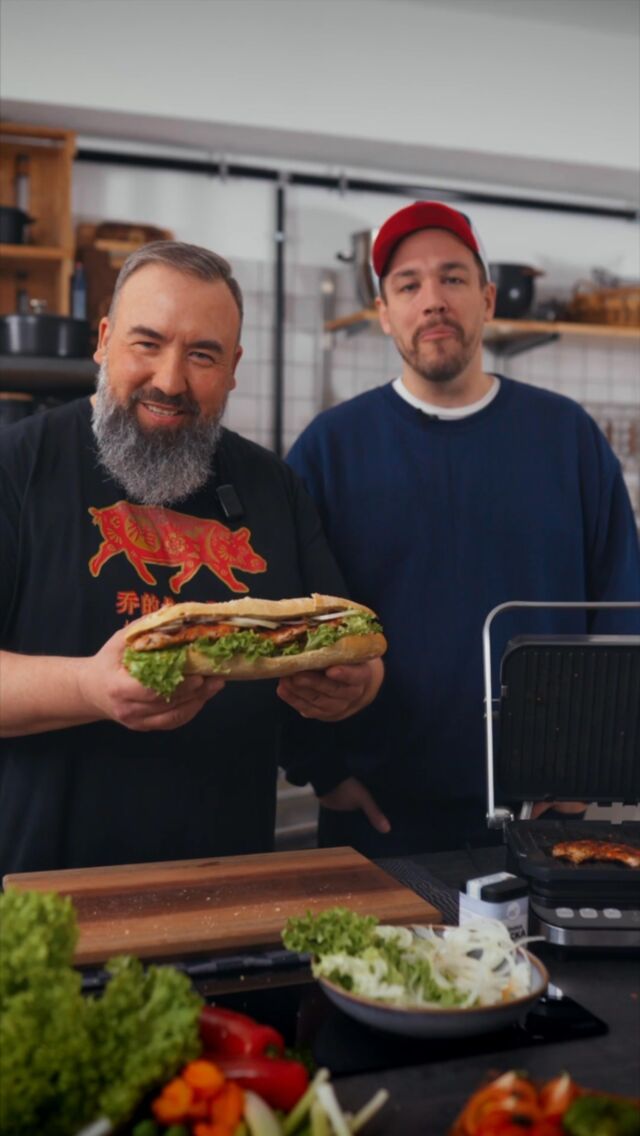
pixel 249 639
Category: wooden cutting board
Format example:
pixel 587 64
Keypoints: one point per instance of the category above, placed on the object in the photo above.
pixel 182 907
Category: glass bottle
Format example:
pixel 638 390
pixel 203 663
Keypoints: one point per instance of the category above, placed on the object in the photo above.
pixel 21 182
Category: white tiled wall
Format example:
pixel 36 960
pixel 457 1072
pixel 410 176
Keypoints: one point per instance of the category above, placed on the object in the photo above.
pixel 321 369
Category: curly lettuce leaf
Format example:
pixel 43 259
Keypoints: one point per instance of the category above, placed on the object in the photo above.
pixel 37 937
pixel 47 1078
pixel 246 643
pixel 66 1059
pixel 336 929
pixel 143 1029
pixel 161 671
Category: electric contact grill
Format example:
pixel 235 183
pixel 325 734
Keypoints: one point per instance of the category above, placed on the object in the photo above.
pixel 567 728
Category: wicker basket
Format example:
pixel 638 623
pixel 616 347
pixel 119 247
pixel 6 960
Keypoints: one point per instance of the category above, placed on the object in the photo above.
pixel 617 307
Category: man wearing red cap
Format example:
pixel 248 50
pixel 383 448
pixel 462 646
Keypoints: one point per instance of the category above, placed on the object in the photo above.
pixel 444 493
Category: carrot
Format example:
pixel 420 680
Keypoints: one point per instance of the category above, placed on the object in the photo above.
pixel 199 1109
pixel 172 1106
pixel 227 1107
pixel 204 1077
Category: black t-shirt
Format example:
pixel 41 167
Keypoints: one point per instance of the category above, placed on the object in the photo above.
pixel 77 561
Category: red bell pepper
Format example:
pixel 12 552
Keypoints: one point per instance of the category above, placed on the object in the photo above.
pixel 279 1082
pixel 225 1033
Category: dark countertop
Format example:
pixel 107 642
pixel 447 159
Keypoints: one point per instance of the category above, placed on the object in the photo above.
pixel 426 1098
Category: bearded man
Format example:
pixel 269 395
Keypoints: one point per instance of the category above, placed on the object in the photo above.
pixel 104 505
pixel 443 494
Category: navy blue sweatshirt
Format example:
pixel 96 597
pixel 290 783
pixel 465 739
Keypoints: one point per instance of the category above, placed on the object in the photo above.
pixel 434 523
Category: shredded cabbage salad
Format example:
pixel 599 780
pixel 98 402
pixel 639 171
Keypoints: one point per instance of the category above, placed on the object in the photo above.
pixel 475 965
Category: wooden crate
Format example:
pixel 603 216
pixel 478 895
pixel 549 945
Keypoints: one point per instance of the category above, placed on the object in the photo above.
pixel 102 249
pixel 615 307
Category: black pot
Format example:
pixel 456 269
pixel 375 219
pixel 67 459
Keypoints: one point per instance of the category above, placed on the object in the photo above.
pixel 12 225
pixel 58 336
pixel 515 284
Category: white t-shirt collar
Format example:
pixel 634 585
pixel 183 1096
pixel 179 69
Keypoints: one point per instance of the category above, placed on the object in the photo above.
pixel 447 411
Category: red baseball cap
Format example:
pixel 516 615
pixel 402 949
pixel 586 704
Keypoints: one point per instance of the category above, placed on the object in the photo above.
pixel 423 215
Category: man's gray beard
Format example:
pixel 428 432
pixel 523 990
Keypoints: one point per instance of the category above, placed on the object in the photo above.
pixel 159 467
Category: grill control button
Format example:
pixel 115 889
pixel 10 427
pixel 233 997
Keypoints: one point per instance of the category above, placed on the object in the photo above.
pixel 612 913
pixel 588 913
pixel 565 912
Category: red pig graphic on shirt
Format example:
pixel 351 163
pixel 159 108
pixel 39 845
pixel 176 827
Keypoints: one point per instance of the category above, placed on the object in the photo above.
pixel 154 535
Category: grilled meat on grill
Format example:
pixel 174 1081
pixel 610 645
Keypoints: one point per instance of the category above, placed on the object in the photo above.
pixel 580 850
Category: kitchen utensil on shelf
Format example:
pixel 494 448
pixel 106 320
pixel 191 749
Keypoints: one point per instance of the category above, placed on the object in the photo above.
pixel 22 294
pixel 22 182
pixel 360 258
pixel 13 223
pixel 40 333
pixel 515 289
pixel 615 307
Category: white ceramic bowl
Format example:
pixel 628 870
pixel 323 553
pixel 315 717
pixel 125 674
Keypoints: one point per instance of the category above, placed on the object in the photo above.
pixel 436 1022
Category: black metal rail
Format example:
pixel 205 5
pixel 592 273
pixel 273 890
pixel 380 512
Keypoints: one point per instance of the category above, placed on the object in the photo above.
pixel 279 318
pixel 356 184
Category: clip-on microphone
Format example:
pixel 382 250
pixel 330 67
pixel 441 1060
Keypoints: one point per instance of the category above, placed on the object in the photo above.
pixel 228 499
pixel 230 503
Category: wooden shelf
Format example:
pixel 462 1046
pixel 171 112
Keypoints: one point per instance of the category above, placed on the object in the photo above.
pixel 31 252
pixel 42 268
pixel 365 315
pixel 22 130
pixel 509 328
pixel 503 329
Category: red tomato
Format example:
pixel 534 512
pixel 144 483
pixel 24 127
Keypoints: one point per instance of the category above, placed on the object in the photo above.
pixel 501 1124
pixel 556 1095
pixel 548 1126
pixel 509 1100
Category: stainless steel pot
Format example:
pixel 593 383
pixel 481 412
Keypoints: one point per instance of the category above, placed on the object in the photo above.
pixel 57 336
pixel 360 258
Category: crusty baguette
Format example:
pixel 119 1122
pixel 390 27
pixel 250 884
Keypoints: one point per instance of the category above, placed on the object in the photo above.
pixel 248 606
pixel 349 649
